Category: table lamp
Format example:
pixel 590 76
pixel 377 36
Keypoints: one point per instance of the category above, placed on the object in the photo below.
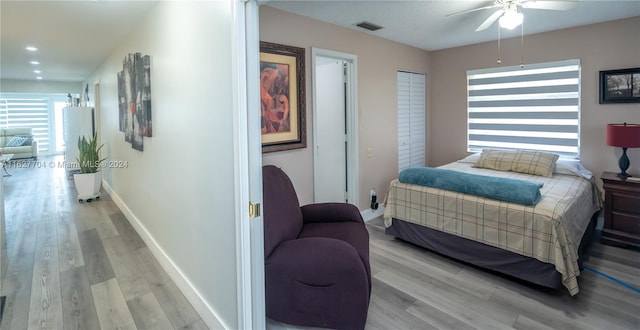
pixel 623 136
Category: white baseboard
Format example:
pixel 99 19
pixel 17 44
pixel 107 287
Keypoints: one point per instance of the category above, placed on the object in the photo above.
pixel 370 214
pixel 206 312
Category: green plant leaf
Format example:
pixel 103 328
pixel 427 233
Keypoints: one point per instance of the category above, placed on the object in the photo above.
pixel 89 154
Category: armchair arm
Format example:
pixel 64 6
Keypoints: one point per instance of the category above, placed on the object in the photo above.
pixel 330 212
pixel 34 148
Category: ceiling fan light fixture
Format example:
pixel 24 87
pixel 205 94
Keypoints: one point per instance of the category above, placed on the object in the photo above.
pixel 511 19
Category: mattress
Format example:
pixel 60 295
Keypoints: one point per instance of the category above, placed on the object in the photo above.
pixel 549 231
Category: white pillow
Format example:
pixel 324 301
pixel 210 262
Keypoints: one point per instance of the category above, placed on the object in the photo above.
pixel 572 167
pixel 471 158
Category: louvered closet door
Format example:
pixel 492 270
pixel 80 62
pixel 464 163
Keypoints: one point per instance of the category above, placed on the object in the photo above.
pixel 411 120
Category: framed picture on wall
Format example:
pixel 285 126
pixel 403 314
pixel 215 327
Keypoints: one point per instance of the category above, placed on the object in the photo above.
pixel 620 86
pixel 282 99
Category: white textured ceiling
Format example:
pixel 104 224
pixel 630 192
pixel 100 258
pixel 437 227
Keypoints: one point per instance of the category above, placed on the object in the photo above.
pixel 423 24
pixel 74 37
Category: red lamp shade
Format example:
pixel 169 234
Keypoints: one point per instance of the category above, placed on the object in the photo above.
pixel 623 135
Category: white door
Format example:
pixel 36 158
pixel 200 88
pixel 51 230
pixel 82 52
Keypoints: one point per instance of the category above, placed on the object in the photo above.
pixel 330 179
pixel 411 120
pixel 335 126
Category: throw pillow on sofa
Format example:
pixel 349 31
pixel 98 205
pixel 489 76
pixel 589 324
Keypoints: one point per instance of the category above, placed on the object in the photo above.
pixel 16 141
pixel 28 140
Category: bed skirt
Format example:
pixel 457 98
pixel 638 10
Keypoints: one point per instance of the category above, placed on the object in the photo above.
pixel 485 256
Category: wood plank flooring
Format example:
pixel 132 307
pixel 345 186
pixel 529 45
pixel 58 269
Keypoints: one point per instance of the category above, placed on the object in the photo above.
pixel 78 265
pixel 82 266
pixel 414 288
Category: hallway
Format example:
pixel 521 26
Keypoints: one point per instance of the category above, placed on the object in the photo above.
pixel 78 265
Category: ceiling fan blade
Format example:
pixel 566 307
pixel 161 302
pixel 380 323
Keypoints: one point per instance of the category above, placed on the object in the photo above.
pixel 487 23
pixel 472 10
pixel 552 5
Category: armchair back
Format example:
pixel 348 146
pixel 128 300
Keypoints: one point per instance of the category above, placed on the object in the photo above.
pixel 281 208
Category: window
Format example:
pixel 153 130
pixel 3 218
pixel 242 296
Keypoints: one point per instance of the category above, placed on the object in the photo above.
pixel 411 120
pixel 31 110
pixel 536 108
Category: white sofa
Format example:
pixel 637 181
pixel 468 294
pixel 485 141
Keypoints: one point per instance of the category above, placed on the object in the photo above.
pixel 28 149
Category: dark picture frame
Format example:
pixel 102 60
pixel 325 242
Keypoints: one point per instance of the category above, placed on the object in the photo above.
pixel 620 86
pixel 282 97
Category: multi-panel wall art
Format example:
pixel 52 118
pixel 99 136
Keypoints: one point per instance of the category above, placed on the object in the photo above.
pixel 134 99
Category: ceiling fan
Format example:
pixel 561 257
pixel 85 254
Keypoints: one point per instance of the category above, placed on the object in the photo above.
pixel 510 11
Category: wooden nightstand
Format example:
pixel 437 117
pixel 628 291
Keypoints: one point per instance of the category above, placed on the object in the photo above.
pixel 621 211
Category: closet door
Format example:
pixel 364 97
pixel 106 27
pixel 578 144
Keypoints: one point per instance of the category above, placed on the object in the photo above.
pixel 411 120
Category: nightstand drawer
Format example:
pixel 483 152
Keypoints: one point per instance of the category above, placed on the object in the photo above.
pixel 625 203
pixel 625 222
pixel 621 211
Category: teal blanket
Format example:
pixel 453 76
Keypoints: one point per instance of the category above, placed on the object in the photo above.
pixel 503 189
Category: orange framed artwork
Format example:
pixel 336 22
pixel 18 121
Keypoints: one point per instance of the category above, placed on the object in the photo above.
pixel 282 101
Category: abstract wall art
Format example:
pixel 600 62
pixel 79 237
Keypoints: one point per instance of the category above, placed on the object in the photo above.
pixel 282 102
pixel 134 99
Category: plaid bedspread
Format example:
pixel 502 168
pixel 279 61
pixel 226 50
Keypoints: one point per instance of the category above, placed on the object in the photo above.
pixel 550 231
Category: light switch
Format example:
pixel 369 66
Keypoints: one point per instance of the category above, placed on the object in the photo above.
pixel 369 152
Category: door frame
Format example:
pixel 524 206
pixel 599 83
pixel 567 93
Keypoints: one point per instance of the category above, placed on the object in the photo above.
pixel 353 175
pixel 251 312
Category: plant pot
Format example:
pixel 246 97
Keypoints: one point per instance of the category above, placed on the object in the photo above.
pixel 88 185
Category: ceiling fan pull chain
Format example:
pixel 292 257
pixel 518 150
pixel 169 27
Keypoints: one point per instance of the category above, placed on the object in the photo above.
pixel 522 45
pixel 499 60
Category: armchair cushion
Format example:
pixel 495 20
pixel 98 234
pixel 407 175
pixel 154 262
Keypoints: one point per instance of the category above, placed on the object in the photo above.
pixel 349 232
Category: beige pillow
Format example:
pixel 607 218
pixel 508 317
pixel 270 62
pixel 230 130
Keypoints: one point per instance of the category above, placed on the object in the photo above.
pixel 521 161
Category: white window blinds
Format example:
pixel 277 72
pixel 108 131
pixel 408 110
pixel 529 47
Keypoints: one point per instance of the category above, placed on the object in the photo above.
pixel 411 120
pixel 535 108
pixel 27 111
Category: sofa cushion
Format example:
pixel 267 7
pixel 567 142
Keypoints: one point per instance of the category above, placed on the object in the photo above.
pixel 17 131
pixel 18 150
pixel 16 141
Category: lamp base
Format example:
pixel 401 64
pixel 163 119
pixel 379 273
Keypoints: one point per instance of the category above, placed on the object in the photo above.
pixel 623 162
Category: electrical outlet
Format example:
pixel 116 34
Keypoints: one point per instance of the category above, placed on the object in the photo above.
pixel 369 152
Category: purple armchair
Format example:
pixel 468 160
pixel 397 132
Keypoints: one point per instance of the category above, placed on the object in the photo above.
pixel 316 259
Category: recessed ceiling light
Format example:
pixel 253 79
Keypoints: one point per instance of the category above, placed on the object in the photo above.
pixel 39 78
pixel 36 71
pixel 34 62
pixel 31 48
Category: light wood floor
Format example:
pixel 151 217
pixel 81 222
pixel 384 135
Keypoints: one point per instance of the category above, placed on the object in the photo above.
pixel 417 289
pixel 80 265
pixel 414 288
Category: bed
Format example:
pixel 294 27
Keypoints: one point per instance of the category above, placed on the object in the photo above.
pixel 539 243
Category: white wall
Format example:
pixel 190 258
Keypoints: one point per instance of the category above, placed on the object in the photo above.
pixel 36 86
pixel 179 189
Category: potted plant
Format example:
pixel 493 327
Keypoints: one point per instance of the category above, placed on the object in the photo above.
pixel 89 180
